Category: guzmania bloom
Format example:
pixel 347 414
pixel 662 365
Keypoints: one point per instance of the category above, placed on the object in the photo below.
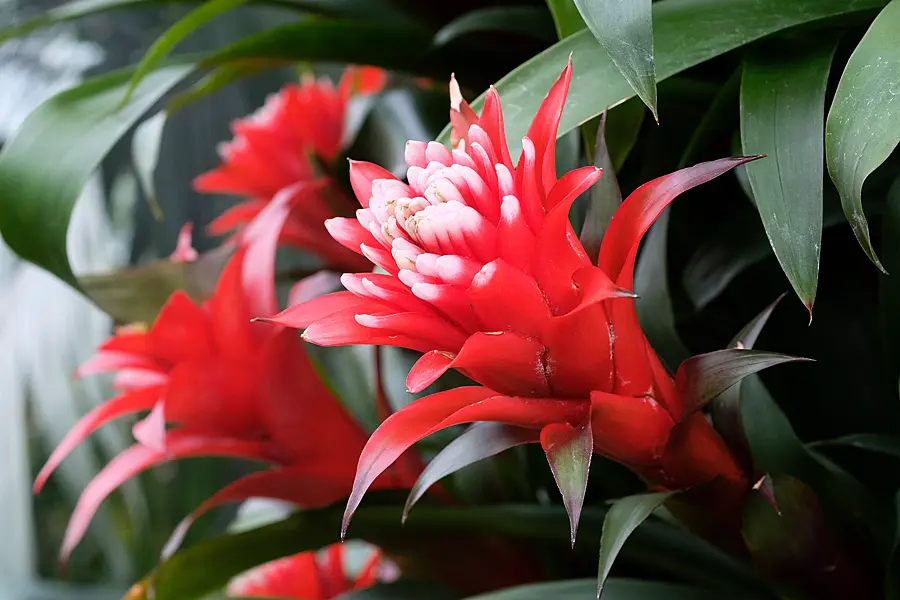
pixel 306 576
pixel 218 384
pixel 295 137
pixel 484 273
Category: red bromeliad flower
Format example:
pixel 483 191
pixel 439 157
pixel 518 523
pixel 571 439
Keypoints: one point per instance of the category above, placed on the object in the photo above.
pixel 484 274
pixel 218 384
pixel 285 142
pixel 306 576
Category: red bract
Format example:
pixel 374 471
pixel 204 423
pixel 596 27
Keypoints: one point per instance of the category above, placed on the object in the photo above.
pixel 485 274
pixel 306 576
pixel 298 131
pixel 218 384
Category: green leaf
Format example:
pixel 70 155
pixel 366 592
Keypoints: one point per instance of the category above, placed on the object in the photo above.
pixel 615 589
pixel 622 519
pixel 569 450
pixel 50 158
pixel 686 33
pixel 566 17
pixel 783 116
pixel 861 130
pixel 604 197
pixel 523 20
pixel 145 154
pixel 480 441
pixel 718 122
pixel 403 590
pixel 702 378
pixel 654 303
pixel 625 30
pixel 135 294
pixel 870 442
pixel 219 78
pixel 174 35
pixel 889 287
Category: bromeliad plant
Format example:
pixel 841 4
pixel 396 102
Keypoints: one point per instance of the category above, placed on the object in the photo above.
pixel 508 286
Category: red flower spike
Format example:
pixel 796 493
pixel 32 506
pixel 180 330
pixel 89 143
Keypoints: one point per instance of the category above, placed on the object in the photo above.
pixel 283 144
pixel 569 450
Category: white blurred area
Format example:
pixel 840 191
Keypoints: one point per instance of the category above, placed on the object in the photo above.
pixel 46 328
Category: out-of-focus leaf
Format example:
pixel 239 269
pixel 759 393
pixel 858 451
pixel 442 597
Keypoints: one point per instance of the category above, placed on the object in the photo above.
pixel 219 78
pixel 686 33
pixel 654 303
pixel 604 197
pixel 403 590
pixel 783 116
pixel 615 589
pixel 208 565
pixel 625 30
pixel 135 294
pixel 622 519
pixel 566 17
pixel 46 164
pixel 719 120
pixel 777 449
pixel 524 20
pixel 198 17
pixel 892 578
pixel 77 9
pixel 861 130
pixel 145 153
pixel 480 441
pixel 870 442
pixel 703 377
pixel 56 591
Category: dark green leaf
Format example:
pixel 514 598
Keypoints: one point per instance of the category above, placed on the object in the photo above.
pixel 783 116
pixel 174 35
pixel 219 78
pixel 566 17
pixel 889 287
pixel 718 122
pixel 145 154
pixel 480 441
pixel 623 125
pixel 625 30
pixel 892 578
pixel 622 519
pixel 523 20
pixel 654 303
pixel 686 33
pixel 702 378
pixel 135 294
pixel 861 131
pixel 615 589
pixel 870 442
pixel 603 198
pixel 569 450
pixel 50 158
pixel 403 590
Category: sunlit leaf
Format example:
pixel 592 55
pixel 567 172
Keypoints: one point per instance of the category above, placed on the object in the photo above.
pixel 625 30
pixel 861 130
pixel 685 33
pixel 783 116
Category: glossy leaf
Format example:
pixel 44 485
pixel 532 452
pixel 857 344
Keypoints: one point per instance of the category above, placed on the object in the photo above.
pixel 783 117
pixel 615 589
pixel 480 441
pixel 888 445
pixel 703 377
pixel 625 30
pixel 569 450
pixel 523 20
pixel 174 35
pixel 861 130
pixel 145 146
pixel 621 520
pixel 566 17
pixel 604 197
pixel 72 131
pixel 654 302
pixel 685 33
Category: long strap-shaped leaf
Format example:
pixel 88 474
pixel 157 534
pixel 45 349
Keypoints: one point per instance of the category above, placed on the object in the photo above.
pixel 783 116
pixel 685 33
pixel 861 131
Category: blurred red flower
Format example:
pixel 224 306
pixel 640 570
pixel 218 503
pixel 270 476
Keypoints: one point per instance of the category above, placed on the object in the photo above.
pixel 295 137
